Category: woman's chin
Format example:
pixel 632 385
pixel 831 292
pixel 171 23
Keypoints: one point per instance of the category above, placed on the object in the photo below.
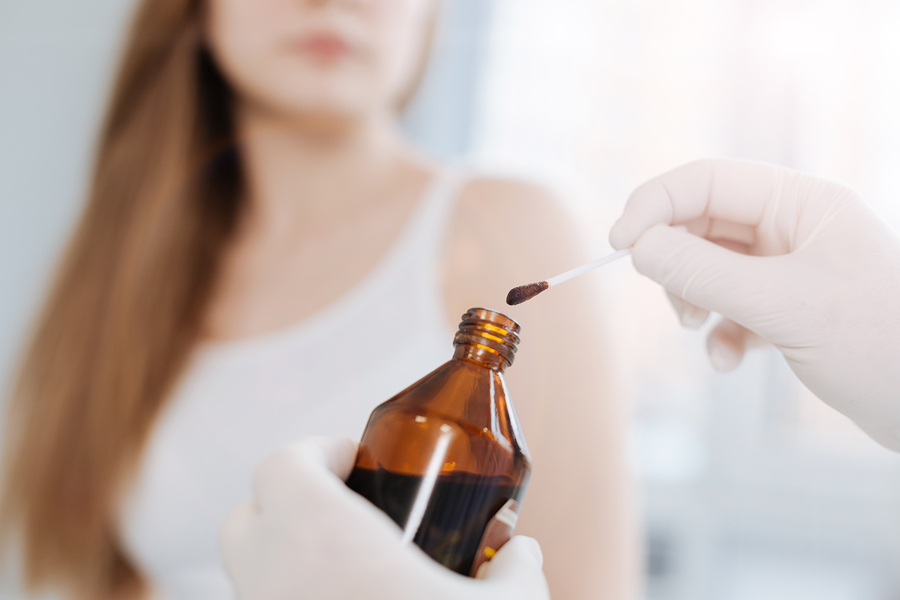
pixel 325 115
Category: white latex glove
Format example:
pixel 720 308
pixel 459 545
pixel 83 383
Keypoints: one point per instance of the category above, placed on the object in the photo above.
pixel 307 535
pixel 798 261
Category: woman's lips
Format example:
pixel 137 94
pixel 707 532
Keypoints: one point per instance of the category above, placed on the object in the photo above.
pixel 326 46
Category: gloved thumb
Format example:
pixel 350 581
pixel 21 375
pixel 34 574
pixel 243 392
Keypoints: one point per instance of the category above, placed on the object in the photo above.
pixel 288 473
pixel 703 273
pixel 336 452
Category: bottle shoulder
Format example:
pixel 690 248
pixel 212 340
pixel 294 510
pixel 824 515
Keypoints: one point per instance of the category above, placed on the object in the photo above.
pixel 456 389
pixel 458 396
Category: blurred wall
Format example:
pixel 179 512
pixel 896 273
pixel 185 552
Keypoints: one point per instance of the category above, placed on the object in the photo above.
pixel 55 63
pixel 442 118
pixel 751 487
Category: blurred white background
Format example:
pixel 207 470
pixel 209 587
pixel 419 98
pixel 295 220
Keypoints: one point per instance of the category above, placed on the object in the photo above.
pixel 750 487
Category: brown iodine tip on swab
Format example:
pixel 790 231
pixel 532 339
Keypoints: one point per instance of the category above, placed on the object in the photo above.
pixel 523 293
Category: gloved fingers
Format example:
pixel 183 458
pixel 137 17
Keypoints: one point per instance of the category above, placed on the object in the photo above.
pixel 234 531
pixel 338 451
pixel 884 434
pixel 314 463
pixel 705 274
pixel 727 190
pixel 737 237
pixel 727 343
pixel 689 315
pixel 519 558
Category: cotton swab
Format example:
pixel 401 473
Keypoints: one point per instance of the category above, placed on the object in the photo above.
pixel 523 293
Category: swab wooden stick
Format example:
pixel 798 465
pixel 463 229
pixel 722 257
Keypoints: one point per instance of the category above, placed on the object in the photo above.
pixel 520 294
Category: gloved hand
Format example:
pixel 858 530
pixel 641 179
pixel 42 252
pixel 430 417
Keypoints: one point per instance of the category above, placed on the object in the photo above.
pixel 307 535
pixel 798 261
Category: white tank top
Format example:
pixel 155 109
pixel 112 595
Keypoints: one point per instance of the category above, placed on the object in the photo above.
pixel 241 400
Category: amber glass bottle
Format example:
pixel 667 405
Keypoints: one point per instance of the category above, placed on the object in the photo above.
pixel 444 456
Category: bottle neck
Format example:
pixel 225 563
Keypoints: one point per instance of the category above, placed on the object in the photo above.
pixel 486 338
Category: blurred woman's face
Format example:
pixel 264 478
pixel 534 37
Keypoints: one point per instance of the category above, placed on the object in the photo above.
pixel 318 58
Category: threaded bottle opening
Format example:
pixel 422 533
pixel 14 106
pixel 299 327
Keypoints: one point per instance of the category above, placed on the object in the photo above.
pixel 487 337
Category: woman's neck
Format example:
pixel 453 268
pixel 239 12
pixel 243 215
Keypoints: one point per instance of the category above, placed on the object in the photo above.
pixel 309 176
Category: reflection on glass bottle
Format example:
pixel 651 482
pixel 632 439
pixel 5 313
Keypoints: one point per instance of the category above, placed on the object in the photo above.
pixel 444 456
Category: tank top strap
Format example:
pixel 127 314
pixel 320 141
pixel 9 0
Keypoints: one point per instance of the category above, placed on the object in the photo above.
pixel 436 208
pixel 426 245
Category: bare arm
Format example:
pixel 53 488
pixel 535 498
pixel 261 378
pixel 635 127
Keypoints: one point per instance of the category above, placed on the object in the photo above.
pixel 579 503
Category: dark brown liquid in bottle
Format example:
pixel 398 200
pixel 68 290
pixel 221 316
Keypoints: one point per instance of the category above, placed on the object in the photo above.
pixel 461 506
pixel 444 455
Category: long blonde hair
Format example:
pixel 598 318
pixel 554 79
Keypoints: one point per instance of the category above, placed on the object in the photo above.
pixel 126 305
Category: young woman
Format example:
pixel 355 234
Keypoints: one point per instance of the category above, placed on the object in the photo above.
pixel 263 257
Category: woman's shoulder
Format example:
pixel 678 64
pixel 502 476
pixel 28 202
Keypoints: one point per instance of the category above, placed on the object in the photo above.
pixel 504 232
pixel 529 217
pixel 510 198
